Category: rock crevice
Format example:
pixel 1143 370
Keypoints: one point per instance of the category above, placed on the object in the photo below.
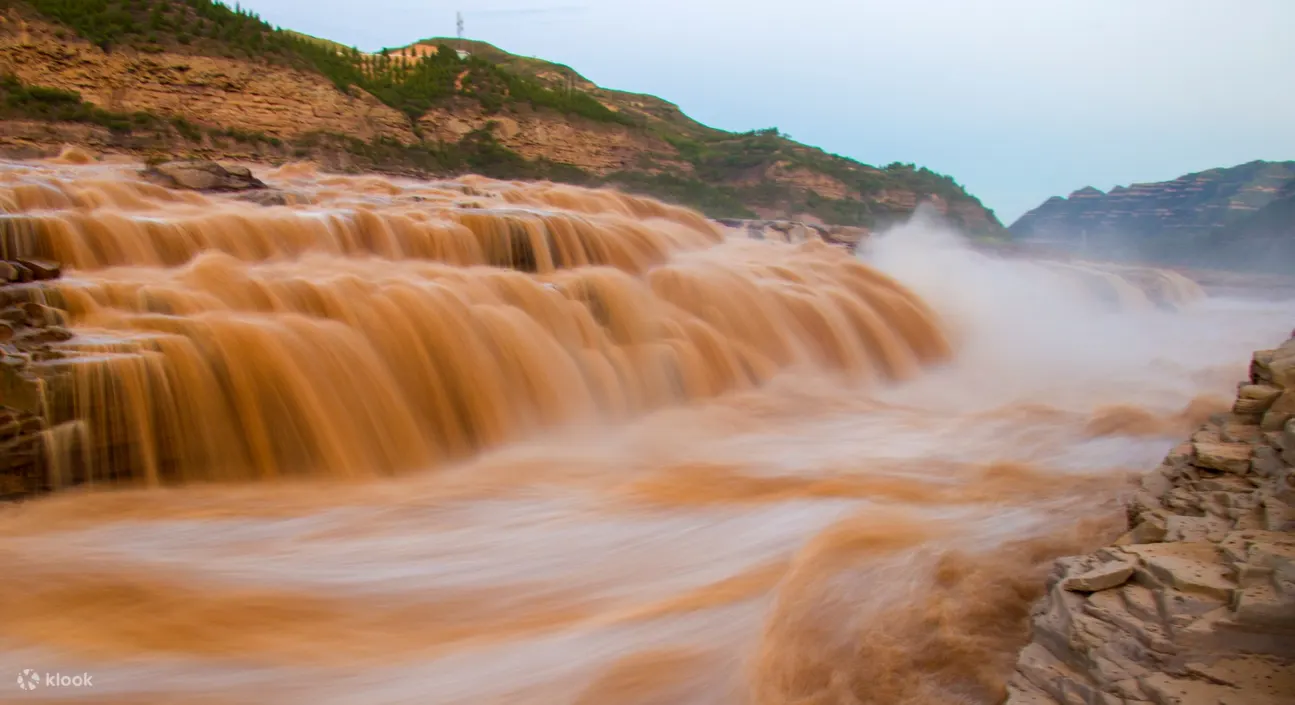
pixel 1196 602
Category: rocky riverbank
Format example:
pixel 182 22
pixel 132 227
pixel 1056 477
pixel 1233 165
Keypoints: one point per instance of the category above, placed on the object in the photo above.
pixel 1196 603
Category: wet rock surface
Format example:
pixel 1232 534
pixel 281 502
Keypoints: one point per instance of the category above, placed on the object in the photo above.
pixel 203 176
pixel 1195 604
pixel 22 452
pixel 274 197
pixel 29 333
pixel 797 231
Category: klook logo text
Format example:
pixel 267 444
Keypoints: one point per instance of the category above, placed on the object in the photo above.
pixel 31 680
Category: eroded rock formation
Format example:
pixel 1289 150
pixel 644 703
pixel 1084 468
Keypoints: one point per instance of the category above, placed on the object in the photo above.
pixel 29 333
pixel 1196 603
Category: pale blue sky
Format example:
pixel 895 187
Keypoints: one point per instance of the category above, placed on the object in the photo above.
pixel 1018 100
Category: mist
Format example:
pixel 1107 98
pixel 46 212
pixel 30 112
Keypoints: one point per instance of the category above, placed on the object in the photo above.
pixel 1079 329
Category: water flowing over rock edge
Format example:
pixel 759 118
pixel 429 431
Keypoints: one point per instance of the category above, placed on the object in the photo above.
pixel 1196 602
pixel 53 225
pixel 48 205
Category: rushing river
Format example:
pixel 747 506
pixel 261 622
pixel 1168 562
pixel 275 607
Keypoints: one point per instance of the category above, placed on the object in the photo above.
pixel 482 442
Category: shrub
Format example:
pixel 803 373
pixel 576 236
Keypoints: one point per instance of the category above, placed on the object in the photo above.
pixel 43 103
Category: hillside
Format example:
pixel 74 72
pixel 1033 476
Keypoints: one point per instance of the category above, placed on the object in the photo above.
pixel 1242 216
pixel 1270 231
pixel 193 77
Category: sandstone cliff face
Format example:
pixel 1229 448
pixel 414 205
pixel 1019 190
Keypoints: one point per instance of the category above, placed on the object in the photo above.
pixel 596 147
pixel 1195 604
pixel 30 139
pixel 275 100
pixel 810 180
pixel 1191 219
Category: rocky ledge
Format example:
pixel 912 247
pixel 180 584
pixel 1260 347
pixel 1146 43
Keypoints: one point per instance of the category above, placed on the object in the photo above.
pixel 29 333
pixel 796 231
pixel 1195 604
pixel 202 176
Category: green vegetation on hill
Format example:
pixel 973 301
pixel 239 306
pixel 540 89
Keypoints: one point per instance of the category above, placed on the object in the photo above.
pixel 412 86
pixel 715 200
pixel 415 85
pixel 727 157
pixel 478 152
pixel 740 161
pixel 153 25
pixel 326 43
pixel 726 174
pixel 19 101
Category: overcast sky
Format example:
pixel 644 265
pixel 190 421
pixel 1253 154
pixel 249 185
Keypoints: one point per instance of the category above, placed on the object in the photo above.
pixel 1018 100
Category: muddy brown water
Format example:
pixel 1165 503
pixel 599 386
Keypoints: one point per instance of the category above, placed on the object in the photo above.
pixel 485 442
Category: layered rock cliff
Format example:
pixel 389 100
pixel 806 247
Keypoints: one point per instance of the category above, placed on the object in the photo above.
pixel 193 78
pixel 1243 216
pixel 277 100
pixel 1196 603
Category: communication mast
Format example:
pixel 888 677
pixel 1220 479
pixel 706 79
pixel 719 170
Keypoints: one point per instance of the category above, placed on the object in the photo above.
pixel 459 21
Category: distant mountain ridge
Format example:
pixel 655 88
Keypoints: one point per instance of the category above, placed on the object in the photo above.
pixel 1241 216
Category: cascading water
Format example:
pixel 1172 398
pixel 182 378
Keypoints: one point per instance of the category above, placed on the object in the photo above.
pixel 600 450
pixel 374 334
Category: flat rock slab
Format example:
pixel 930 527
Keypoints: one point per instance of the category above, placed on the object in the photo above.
pixel 1164 689
pixel 1263 606
pixel 1236 432
pixel 1224 457
pixel 1196 529
pixel 41 269
pixel 1103 577
pixel 1187 566
pixel 1261 675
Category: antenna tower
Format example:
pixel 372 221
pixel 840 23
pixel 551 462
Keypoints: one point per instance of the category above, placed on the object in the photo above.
pixel 458 16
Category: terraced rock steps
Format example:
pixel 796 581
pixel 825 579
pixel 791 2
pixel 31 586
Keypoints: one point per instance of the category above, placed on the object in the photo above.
pixel 1195 605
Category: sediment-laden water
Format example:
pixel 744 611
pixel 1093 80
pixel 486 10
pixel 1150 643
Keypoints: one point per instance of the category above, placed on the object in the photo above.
pixel 481 442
